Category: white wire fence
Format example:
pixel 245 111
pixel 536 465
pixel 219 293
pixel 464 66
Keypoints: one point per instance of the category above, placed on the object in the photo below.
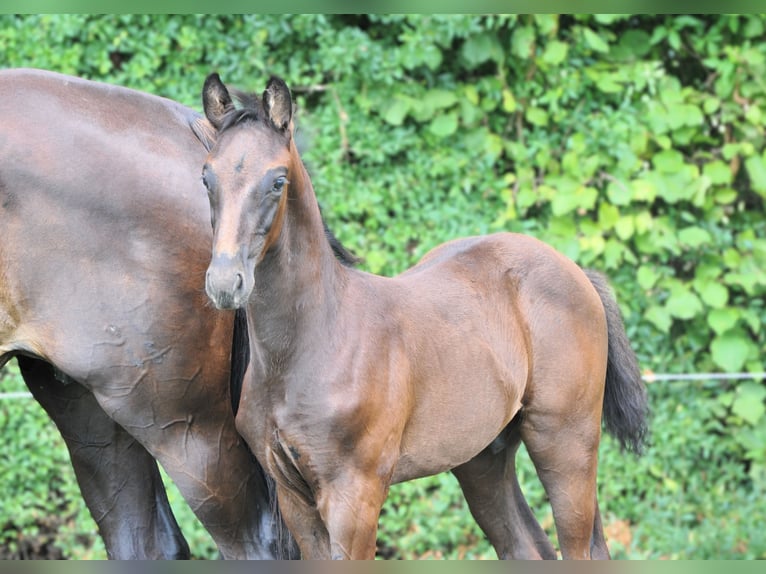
pixel 648 378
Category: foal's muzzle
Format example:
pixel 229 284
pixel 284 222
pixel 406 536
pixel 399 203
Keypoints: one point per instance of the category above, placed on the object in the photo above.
pixel 226 282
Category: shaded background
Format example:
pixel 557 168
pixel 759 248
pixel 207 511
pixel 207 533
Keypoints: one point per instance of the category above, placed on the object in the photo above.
pixel 632 143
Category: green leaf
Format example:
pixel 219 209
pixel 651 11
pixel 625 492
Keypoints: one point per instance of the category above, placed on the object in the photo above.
pixel 625 227
pixel 668 161
pixel 555 52
pixel 725 196
pixel 444 125
pixel 478 49
pixel 748 402
pixel 659 317
pixel 397 110
pixel 723 319
pixel 608 215
pixel 609 83
pixel 537 116
pixel 718 172
pixel 509 101
pixel 713 293
pixel 756 169
pixel 595 42
pixel 646 277
pixel 636 42
pixel 694 236
pixel 618 193
pixel 566 202
pixel 729 350
pixel 753 27
pixel 522 41
pixel 683 303
pixel 643 190
pixel 439 99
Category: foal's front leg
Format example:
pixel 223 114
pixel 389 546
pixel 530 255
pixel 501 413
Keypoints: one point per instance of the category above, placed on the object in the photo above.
pixel 350 507
pixel 341 524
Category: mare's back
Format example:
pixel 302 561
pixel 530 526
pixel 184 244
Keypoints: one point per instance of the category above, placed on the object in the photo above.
pixel 105 223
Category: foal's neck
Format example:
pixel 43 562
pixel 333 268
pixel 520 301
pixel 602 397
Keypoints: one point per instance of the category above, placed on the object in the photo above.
pixel 296 283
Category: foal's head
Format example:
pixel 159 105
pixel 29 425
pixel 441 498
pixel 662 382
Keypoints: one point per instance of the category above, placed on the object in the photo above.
pixel 247 175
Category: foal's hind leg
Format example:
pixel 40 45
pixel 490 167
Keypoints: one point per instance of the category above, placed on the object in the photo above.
pixel 492 490
pixel 564 451
pixel 119 480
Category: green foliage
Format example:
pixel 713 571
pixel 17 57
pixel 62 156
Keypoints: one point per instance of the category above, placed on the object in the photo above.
pixel 631 143
pixel 42 511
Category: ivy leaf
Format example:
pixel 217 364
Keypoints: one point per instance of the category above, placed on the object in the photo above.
pixel 596 43
pixel 668 161
pixel 443 125
pixel 694 236
pixel 713 294
pixel 618 193
pixel 721 320
pixel 537 116
pixel 555 52
pixel 478 49
pixel 397 110
pixel 659 317
pixel 438 99
pixel 683 303
pixel 729 350
pixel 522 41
pixel 509 101
pixel 748 403
pixel 646 277
pixel 718 172
pixel 756 169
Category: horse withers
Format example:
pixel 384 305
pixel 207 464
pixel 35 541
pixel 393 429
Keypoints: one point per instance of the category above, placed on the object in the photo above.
pixel 359 381
pixel 104 244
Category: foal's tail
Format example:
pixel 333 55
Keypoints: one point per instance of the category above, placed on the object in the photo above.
pixel 625 403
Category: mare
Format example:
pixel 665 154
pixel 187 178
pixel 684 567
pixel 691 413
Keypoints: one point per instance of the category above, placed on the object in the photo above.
pixel 358 381
pixel 104 244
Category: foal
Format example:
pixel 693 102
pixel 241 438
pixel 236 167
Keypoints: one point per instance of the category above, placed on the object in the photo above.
pixel 358 381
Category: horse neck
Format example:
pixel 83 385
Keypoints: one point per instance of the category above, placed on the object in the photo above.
pixel 296 282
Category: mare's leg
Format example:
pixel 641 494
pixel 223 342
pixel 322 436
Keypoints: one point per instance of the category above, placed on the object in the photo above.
pixel 119 480
pixel 492 490
pixel 564 450
pixel 187 424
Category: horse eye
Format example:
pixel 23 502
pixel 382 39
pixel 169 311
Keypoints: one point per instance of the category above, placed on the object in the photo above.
pixel 279 183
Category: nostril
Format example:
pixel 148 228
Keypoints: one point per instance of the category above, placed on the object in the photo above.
pixel 238 281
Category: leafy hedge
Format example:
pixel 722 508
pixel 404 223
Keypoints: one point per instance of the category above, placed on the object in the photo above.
pixel 633 144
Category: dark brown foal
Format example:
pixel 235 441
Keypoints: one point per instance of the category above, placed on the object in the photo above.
pixel 359 381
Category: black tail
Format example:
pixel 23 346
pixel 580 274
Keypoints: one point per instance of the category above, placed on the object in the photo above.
pixel 625 403
pixel 282 543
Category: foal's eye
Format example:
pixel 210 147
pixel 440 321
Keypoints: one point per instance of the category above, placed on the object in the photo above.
pixel 278 184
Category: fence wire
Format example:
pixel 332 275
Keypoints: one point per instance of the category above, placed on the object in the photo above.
pixel 648 378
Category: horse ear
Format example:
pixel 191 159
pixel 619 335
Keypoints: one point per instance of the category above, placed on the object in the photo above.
pixel 277 103
pixel 216 100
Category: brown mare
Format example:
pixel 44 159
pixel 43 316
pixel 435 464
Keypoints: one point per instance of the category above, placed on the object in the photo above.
pixel 104 240
pixel 359 381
